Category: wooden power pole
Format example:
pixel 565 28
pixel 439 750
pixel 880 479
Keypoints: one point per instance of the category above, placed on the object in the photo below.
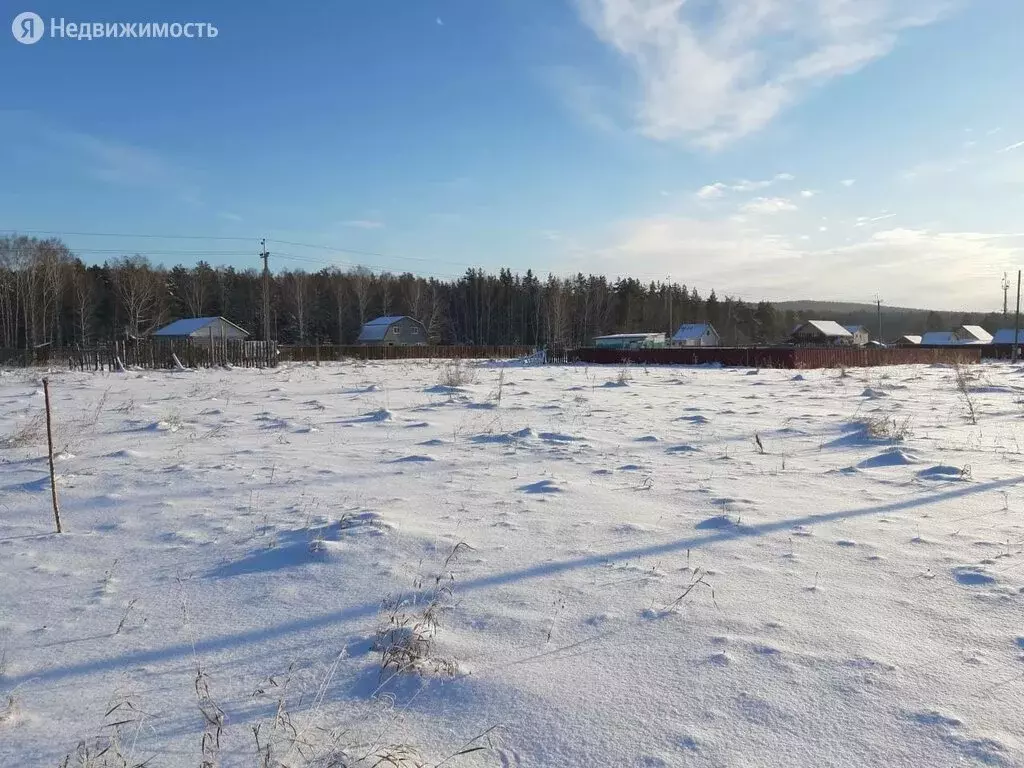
pixel 265 255
pixel 878 301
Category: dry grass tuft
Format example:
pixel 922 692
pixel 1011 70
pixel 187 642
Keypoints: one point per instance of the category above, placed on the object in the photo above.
pixel 963 378
pixel 885 427
pixel 408 627
pixel 455 373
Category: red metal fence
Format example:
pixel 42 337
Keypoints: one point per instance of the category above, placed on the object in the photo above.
pixel 779 357
pixel 326 352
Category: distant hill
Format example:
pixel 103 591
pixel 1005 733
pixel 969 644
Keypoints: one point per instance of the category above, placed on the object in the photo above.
pixel 896 321
pixel 810 305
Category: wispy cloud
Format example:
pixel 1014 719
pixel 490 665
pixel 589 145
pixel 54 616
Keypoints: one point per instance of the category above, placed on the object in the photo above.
pixel 719 189
pixel 123 164
pixel 848 182
pixel 768 205
pixel 715 71
pixel 1012 147
pixel 865 220
pixel 228 216
pixel 363 224
pixel 806 193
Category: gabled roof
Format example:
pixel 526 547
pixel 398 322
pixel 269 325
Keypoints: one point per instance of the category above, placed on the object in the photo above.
pixel 912 338
pixel 855 328
pixel 377 329
pixel 975 333
pixel 189 325
pixel 828 328
pixel 689 331
pixel 1005 336
pixel 938 337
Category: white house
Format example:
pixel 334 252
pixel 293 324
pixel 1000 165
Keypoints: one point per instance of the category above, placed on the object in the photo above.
pixel 972 334
pixel 696 335
pixel 860 334
pixel 909 340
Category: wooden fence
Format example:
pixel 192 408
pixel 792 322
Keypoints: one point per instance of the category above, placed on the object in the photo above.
pixel 779 357
pixel 325 352
pixel 148 353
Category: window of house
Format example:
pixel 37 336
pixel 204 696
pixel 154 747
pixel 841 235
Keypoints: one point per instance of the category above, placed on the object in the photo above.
pixel 414 331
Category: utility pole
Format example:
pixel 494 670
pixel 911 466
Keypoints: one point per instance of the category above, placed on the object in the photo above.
pixel 1006 292
pixel 265 255
pixel 1016 322
pixel 878 301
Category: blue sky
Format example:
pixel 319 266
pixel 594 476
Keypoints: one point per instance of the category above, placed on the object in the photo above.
pixel 829 149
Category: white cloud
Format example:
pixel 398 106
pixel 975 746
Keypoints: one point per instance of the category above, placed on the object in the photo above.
pixel 718 189
pixel 848 182
pixel 768 205
pixel 1012 147
pixel 228 216
pixel 714 71
pixel 711 191
pixel 865 220
pixel 917 267
pixel 363 224
pixel 808 192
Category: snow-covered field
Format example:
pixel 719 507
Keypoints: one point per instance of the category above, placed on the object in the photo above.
pixel 644 585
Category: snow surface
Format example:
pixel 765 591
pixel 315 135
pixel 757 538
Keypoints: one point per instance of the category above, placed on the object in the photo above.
pixel 699 567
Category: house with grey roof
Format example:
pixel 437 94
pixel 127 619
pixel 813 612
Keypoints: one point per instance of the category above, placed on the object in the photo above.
pixel 202 329
pixel 393 331
pixel 696 335
pixel 821 333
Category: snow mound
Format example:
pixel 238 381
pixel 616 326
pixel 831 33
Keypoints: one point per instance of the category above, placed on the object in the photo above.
pixel 683 448
pixel 873 394
pixel 558 437
pixel 942 472
pixel 541 486
pixel 697 419
pixel 444 389
pixel 972 576
pixel 893 457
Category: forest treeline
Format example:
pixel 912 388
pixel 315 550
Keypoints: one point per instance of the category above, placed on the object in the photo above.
pixel 50 296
